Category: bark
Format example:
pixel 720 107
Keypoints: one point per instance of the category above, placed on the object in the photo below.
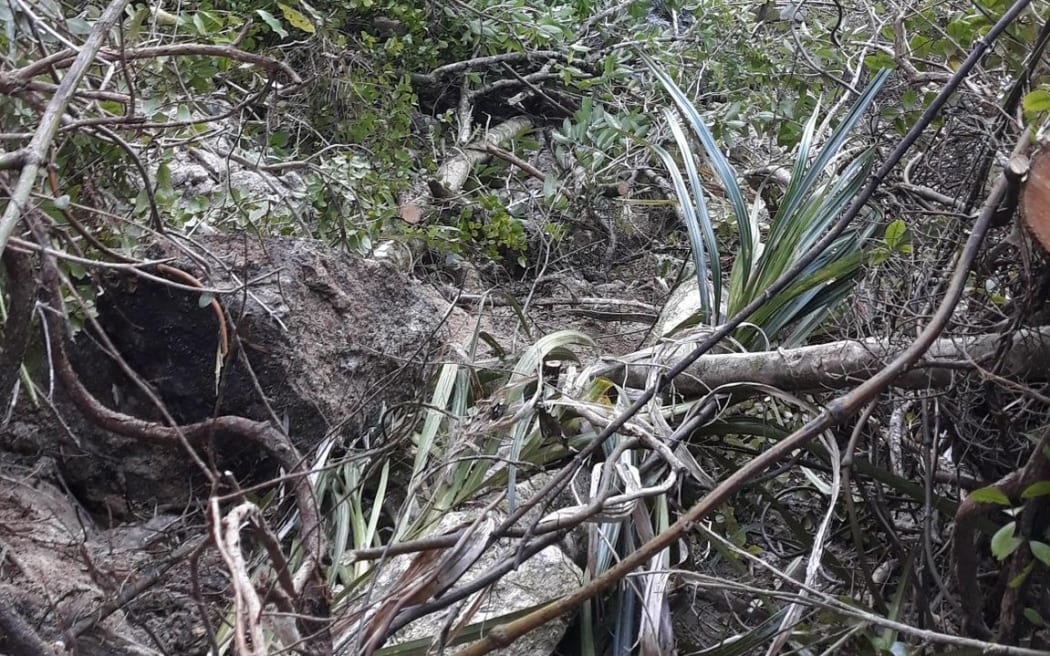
pixel 1023 355
pixel 21 284
pixel 453 173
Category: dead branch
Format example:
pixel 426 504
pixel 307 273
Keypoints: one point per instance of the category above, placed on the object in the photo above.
pixel 453 173
pixel 63 58
pixel 837 365
pixel 511 158
pixel 35 153
pixel 432 78
pixel 226 532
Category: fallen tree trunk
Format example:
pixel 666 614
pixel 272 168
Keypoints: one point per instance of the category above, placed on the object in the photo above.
pixel 1023 355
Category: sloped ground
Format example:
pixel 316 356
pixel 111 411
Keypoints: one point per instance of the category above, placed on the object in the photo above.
pixel 319 343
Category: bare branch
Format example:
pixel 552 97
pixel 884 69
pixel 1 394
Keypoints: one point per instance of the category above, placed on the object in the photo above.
pixel 36 152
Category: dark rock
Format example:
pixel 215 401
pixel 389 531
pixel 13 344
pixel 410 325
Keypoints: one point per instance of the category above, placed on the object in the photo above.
pixel 330 339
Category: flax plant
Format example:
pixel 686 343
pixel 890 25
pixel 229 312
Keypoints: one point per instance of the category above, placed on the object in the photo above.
pixel 822 183
pixel 820 188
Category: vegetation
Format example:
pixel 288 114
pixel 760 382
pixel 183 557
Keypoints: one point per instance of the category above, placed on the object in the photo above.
pixel 791 176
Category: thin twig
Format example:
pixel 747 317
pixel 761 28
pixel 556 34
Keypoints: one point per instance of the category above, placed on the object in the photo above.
pixel 36 151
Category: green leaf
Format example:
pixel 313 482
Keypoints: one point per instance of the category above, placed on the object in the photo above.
pixel 990 495
pixel 1033 617
pixel 1004 542
pixel 296 18
pixel 694 217
pixel 163 176
pixel 726 172
pixel 896 236
pixel 1040 550
pixel 820 188
pixel 1036 101
pixel 272 22
pixel 895 233
pixel 879 60
pixel 1038 489
pixel 557 344
pixel 205 299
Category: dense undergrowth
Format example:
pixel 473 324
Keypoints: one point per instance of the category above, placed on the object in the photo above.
pixel 751 128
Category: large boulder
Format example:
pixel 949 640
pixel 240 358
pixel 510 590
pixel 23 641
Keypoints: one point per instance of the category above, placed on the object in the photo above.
pixel 330 340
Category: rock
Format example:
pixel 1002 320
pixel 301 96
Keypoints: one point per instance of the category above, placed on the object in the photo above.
pixel 548 575
pixel 330 340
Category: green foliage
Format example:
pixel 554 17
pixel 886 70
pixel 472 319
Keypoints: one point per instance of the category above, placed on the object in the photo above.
pixel 594 137
pixel 484 230
pixel 494 418
pixel 1036 103
pixel 1037 489
pixel 819 189
pixel 990 495
pixel 1005 541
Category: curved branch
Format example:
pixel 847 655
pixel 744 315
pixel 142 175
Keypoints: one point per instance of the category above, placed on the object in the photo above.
pixel 62 58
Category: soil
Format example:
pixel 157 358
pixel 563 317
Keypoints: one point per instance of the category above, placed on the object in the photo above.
pixel 319 344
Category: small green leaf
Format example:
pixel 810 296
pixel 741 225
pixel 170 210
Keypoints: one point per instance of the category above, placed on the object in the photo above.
pixel 990 495
pixel 76 270
pixel 1039 489
pixel 1004 542
pixel 897 237
pixel 163 176
pixel 879 61
pixel 1040 550
pixel 878 255
pixel 205 299
pixel 296 18
pixel 1036 101
pixel 142 203
pixel 272 22
pixel 1033 617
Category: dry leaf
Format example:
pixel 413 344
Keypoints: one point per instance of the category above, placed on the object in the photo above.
pixel 1035 198
pixel 410 213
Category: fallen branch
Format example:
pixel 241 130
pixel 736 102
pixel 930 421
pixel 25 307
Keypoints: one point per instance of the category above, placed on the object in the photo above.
pixel 453 173
pixel 511 158
pixel 837 365
pixel 63 58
